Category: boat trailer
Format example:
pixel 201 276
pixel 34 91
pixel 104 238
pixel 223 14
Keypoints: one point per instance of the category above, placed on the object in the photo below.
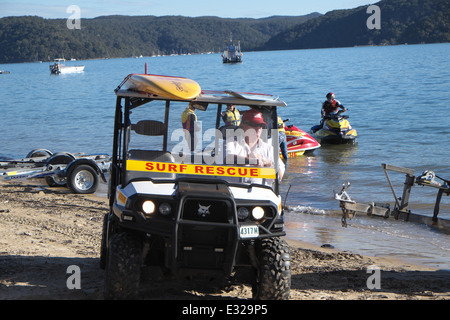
pixel 80 172
pixel 400 211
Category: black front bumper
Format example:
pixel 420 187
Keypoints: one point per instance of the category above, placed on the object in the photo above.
pixel 203 232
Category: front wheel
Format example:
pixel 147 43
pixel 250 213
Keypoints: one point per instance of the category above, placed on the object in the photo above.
pixel 273 281
pixel 123 267
pixel 83 179
pixel 103 243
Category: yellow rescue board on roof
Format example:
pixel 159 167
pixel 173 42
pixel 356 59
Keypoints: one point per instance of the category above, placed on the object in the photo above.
pixel 164 86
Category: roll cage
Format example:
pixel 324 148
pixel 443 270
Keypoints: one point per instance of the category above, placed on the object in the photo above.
pixel 129 100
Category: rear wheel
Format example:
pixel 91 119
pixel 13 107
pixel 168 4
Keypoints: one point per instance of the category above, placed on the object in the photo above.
pixel 274 279
pixel 123 267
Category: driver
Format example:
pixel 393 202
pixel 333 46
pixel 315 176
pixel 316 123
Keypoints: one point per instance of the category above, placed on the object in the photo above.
pixel 249 148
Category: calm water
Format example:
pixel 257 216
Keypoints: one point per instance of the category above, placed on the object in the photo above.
pixel 397 98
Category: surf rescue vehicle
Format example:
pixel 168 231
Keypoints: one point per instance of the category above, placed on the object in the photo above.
pixel 187 211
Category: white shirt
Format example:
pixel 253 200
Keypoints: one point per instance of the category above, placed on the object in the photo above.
pixel 241 149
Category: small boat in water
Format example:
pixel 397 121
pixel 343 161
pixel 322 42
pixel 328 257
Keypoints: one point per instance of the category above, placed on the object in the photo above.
pixel 59 67
pixel 4 72
pixel 232 51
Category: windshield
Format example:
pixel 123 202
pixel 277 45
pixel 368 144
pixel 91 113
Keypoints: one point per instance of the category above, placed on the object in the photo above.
pixel 237 144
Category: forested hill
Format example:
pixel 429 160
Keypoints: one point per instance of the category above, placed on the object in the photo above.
pixel 402 21
pixel 31 38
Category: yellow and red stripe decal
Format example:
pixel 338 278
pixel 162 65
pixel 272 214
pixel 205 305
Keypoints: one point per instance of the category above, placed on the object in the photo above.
pixel 200 169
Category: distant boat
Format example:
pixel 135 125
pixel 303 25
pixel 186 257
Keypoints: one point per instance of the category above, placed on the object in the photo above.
pixel 232 51
pixel 59 67
pixel 4 72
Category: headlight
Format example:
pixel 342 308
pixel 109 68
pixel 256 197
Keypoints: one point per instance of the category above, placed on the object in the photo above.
pixel 165 209
pixel 148 207
pixel 258 213
pixel 242 213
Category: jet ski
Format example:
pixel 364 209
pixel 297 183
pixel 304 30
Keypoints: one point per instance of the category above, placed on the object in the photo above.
pixel 299 142
pixel 336 129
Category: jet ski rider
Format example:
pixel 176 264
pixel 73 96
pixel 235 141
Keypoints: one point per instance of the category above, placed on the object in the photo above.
pixel 331 105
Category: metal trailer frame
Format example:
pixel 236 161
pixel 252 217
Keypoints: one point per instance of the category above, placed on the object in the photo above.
pixel 400 211
pixel 80 172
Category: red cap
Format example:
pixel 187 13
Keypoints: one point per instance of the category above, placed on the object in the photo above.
pixel 253 116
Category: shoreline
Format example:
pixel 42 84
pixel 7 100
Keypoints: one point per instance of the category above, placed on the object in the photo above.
pixel 219 52
pixel 44 230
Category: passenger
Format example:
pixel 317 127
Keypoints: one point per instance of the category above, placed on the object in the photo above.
pixel 249 148
pixel 231 116
pixel 189 122
pixel 283 141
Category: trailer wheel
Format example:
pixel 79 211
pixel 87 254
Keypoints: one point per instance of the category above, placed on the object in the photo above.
pixel 39 153
pixel 83 179
pixel 57 158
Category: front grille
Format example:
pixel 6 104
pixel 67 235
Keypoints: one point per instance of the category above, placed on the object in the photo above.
pixel 203 245
pixel 220 211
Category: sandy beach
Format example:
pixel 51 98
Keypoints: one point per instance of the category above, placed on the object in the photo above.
pixel 45 230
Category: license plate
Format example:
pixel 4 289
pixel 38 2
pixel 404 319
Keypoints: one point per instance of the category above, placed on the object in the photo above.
pixel 248 232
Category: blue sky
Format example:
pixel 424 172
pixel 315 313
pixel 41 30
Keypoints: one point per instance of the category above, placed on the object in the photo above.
pixel 191 8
